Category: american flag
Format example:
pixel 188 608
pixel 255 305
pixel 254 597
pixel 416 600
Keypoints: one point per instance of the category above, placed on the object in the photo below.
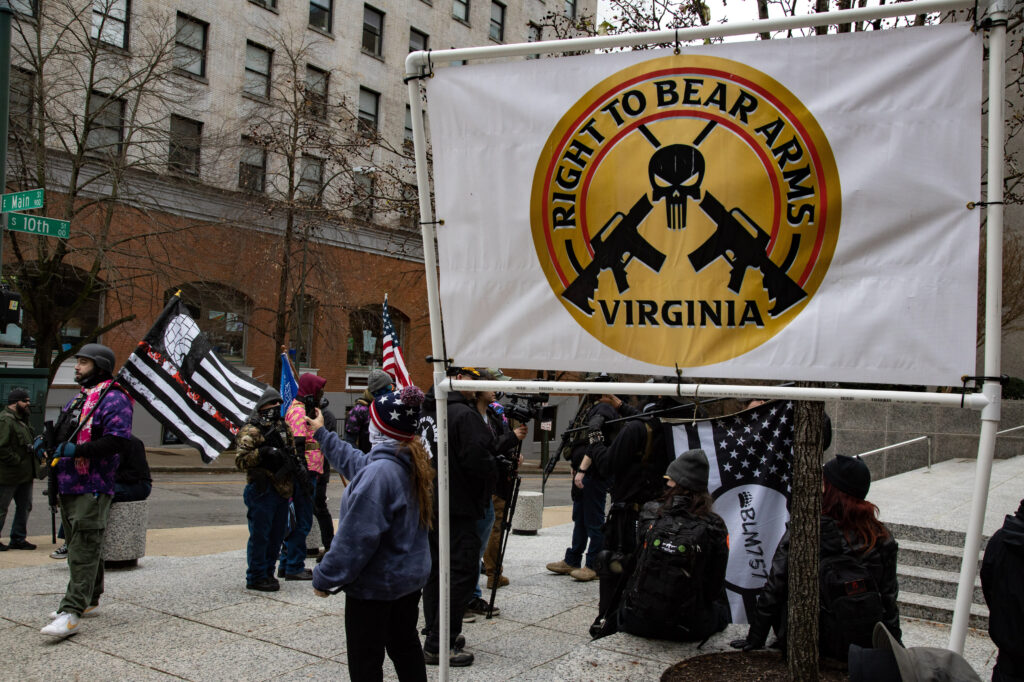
pixel 751 468
pixel 394 363
pixel 175 374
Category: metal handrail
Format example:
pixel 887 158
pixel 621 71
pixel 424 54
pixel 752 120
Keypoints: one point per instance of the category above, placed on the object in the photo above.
pixel 1015 428
pixel 899 445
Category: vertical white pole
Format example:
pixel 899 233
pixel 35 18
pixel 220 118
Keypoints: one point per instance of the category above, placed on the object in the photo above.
pixel 993 332
pixel 414 68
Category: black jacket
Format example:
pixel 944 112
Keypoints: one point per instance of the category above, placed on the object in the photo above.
pixel 471 463
pixel 635 462
pixel 133 468
pixel 771 600
pixel 1002 581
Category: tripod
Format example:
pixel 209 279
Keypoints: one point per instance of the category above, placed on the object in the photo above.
pixel 506 528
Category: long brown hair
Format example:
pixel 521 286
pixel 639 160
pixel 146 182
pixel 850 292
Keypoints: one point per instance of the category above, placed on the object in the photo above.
pixel 422 480
pixel 701 501
pixel 858 519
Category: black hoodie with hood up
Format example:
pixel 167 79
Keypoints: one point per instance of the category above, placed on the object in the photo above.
pixel 1002 581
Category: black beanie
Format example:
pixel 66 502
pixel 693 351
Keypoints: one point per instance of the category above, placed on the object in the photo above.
pixel 849 474
pixel 16 395
pixel 690 470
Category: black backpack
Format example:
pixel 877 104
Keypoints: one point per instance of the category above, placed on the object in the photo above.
pixel 663 596
pixel 851 603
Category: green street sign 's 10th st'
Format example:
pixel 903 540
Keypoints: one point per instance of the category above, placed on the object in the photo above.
pixel 35 224
pixel 22 201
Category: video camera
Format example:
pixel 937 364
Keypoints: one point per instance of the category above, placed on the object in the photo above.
pixel 524 408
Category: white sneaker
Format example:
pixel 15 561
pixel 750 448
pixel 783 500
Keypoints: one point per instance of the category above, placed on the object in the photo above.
pixel 88 613
pixel 64 625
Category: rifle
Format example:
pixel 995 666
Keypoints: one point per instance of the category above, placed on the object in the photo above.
pixel 615 245
pixel 565 446
pixel 748 251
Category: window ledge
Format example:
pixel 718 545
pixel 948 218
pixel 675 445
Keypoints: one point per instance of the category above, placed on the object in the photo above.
pixel 321 31
pixel 263 6
pixel 464 22
pixel 255 98
pixel 191 76
pixel 378 57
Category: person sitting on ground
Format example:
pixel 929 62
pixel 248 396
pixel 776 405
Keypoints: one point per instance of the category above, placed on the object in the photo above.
pixel 677 590
pixel 382 558
pixel 857 568
pixel 132 480
pixel 1002 581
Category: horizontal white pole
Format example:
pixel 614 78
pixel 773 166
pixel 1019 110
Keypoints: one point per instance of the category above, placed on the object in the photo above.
pixel 974 401
pixel 416 60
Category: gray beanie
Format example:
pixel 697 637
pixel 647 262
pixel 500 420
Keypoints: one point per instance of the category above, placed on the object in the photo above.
pixel 379 381
pixel 690 470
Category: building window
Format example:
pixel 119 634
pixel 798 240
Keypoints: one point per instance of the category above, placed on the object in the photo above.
pixel 369 104
pixel 252 168
pixel 110 22
pixel 365 332
pixel 301 330
pixel 221 312
pixel 460 10
pixel 104 124
pixel 410 208
pixel 27 8
pixel 22 104
pixel 257 69
pixel 408 124
pixel 535 34
pixel 269 4
pixel 570 8
pixel 183 152
pixel 362 196
pixel 190 45
pixel 320 12
pixel 311 180
pixel 497 31
pixel 316 92
pixel 373 31
pixel 418 40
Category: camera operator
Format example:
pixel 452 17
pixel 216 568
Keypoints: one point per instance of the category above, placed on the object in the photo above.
pixel 307 400
pixel 635 462
pixel 471 478
pixel 273 471
pixel 589 490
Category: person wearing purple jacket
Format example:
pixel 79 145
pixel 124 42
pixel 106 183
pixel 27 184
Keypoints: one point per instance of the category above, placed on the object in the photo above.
pixel 382 558
pixel 85 466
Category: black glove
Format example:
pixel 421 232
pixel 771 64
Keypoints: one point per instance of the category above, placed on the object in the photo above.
pixel 272 458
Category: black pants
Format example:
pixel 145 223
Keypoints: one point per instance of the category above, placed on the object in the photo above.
pixel 373 626
pixel 465 573
pixel 320 510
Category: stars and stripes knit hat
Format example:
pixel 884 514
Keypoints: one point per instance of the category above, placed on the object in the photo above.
pixel 397 414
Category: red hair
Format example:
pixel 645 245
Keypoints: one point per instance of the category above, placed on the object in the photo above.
pixel 858 519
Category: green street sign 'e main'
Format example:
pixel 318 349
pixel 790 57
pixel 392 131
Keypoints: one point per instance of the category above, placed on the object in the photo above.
pixel 22 201
pixel 36 224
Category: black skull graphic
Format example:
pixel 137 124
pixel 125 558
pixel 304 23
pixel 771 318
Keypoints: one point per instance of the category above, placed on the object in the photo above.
pixel 675 173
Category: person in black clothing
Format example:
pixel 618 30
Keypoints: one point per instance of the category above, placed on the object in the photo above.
pixel 678 588
pixel 849 525
pixel 132 480
pixel 589 491
pixel 635 462
pixel 471 478
pixel 1002 581
pixel 320 510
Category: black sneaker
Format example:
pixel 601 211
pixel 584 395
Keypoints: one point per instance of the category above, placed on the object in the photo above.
pixel 280 571
pixel 478 607
pixel 60 553
pixel 264 585
pixel 457 658
pixel 304 574
pixel 21 544
pixel 3 547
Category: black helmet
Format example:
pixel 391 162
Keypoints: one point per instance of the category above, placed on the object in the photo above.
pixel 101 356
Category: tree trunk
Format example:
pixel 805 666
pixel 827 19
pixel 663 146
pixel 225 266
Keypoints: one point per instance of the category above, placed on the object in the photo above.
pixel 804 533
pixel 821 6
pixel 281 322
pixel 762 14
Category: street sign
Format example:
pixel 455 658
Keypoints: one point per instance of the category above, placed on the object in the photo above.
pixel 22 201
pixel 37 224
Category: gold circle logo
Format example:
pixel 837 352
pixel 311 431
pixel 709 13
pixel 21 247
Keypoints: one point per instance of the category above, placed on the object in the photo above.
pixel 686 209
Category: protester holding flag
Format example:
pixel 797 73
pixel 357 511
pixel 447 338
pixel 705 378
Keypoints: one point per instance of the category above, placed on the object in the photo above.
pixel 382 558
pixel 858 569
pixel 305 404
pixel 94 428
pixel 266 453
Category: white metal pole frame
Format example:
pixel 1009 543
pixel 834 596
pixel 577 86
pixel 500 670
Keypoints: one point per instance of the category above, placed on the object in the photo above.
pixel 993 332
pixel 420 63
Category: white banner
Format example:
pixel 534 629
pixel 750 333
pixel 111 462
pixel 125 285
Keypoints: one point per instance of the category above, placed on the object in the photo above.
pixel 785 209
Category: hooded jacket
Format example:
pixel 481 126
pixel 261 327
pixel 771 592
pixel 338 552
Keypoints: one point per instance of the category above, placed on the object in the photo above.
pixel 472 470
pixel 381 550
pixel 17 462
pixel 309 384
pixel 1002 581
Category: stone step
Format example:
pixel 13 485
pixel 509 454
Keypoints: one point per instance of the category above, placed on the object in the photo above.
pixel 935 583
pixel 938 609
pixel 930 555
pixel 936 536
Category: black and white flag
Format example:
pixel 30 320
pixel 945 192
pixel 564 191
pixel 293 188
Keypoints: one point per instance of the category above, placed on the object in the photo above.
pixel 175 374
pixel 751 467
